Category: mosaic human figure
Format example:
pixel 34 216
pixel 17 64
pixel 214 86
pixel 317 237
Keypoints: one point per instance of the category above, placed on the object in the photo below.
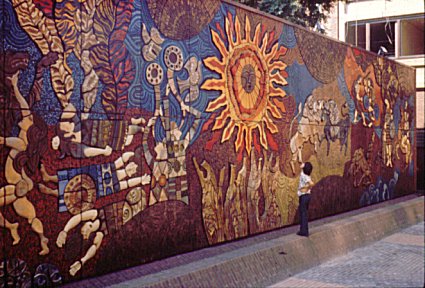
pixel 235 203
pixel 403 134
pixel 169 167
pixel 309 129
pixel 82 138
pixel 336 128
pixel 264 178
pixel 270 174
pixel 224 211
pixel 388 134
pixel 213 213
pixel 18 183
pixel 152 41
pixel 360 169
pixel 365 101
pixel 104 220
pixel 370 99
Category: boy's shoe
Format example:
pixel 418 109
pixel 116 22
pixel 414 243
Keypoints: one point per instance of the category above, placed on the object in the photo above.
pixel 301 234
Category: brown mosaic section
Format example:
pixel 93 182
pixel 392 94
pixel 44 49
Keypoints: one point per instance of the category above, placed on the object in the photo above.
pixel 323 57
pixel 180 19
pixel 404 74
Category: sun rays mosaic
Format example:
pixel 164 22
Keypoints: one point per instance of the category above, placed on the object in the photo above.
pixel 251 76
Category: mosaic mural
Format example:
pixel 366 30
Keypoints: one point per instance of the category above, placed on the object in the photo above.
pixel 136 130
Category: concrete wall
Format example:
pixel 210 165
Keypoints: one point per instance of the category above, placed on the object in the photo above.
pixel 137 130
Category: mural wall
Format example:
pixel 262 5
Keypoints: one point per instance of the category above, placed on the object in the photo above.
pixel 135 130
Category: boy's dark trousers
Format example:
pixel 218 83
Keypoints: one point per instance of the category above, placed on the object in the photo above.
pixel 304 202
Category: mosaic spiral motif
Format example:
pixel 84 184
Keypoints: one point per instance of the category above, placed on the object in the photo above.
pixel 80 194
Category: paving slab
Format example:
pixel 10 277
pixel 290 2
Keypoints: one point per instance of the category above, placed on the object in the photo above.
pixel 395 261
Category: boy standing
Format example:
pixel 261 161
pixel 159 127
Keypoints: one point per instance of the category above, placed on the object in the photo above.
pixel 304 189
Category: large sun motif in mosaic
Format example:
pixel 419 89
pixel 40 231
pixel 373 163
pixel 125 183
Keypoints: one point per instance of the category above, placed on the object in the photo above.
pixel 251 80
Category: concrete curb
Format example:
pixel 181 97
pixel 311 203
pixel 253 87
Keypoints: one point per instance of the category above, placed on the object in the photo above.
pixel 266 263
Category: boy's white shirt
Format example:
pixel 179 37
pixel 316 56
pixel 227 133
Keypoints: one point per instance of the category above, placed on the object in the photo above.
pixel 304 180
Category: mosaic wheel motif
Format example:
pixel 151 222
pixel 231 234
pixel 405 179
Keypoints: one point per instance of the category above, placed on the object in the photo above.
pixel 80 194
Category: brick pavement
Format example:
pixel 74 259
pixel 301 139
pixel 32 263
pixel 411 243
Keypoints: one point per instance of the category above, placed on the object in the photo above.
pixel 395 261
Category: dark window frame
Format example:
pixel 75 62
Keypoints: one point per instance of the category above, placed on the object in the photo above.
pixel 397 44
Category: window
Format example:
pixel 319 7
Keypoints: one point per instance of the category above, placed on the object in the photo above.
pixel 383 35
pixel 403 36
pixel 412 37
pixel 361 34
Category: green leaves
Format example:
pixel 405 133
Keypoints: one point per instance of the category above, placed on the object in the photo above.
pixel 306 13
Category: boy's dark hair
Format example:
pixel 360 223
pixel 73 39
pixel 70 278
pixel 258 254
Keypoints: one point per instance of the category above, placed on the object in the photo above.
pixel 307 168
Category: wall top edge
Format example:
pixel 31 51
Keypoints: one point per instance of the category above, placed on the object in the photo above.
pixel 275 18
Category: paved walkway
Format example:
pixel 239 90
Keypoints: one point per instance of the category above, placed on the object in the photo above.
pixel 395 261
